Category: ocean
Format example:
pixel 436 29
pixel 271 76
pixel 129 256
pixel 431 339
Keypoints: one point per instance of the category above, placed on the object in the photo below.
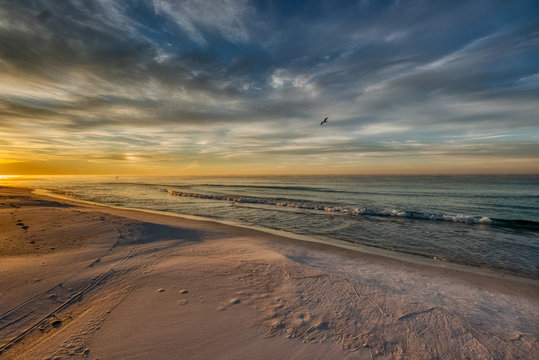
pixel 483 221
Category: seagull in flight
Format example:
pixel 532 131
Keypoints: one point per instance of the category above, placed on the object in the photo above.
pixel 324 121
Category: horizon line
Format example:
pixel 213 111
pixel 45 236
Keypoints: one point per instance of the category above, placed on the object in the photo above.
pixel 11 176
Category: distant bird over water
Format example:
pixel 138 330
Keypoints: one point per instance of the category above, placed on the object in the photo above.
pixel 324 121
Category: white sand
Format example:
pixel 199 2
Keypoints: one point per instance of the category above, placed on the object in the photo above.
pixel 88 282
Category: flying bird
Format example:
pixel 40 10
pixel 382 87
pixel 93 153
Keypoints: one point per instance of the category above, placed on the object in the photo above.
pixel 324 121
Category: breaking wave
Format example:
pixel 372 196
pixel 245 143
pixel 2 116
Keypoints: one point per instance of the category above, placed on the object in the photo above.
pixel 308 205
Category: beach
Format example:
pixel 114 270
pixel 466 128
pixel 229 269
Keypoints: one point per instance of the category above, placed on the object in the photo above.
pixel 85 281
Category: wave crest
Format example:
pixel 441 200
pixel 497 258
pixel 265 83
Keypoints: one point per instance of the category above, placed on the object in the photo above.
pixel 336 209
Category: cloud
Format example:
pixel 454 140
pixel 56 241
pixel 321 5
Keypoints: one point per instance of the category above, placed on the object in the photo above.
pixel 240 79
pixel 228 18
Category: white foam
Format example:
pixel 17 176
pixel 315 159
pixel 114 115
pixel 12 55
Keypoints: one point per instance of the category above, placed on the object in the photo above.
pixel 337 209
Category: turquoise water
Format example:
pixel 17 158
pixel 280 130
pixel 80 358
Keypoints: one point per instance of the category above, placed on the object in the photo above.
pixel 483 221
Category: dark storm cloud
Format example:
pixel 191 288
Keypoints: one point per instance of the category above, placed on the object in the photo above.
pixel 382 70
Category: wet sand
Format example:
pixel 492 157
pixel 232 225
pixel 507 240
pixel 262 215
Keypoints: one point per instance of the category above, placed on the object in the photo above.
pixel 80 281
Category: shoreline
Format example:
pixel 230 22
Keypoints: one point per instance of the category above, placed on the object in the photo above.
pixel 357 247
pixel 87 281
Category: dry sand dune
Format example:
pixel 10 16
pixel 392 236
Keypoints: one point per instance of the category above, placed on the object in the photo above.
pixel 87 282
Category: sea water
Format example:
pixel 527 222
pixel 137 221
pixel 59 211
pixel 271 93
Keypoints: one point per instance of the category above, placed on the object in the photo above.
pixel 482 220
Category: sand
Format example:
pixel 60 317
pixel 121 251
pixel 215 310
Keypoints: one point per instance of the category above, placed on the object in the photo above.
pixel 81 281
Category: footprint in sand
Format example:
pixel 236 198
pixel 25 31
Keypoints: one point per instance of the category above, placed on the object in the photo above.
pixel 161 290
pixel 183 291
pixel 231 302
pixel 56 323
pixel 183 302
pixel 21 224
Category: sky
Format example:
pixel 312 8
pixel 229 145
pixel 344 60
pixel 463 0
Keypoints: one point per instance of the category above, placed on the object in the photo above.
pixel 238 87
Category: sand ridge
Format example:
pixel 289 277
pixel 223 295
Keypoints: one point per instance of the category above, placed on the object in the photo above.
pixel 99 283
